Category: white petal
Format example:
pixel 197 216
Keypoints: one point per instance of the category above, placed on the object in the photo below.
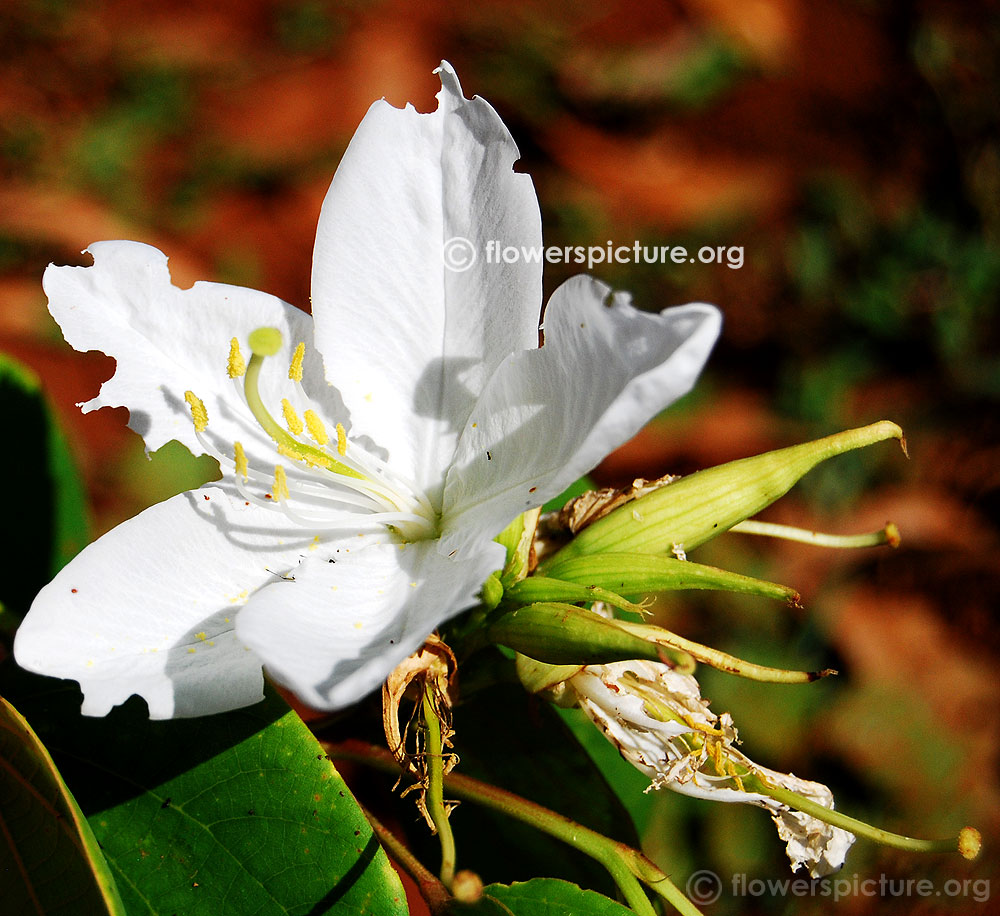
pixel 808 840
pixel 150 608
pixel 334 633
pixel 651 746
pixel 548 416
pixel 167 340
pixel 408 342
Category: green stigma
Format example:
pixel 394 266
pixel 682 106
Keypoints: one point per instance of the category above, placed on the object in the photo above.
pixel 265 341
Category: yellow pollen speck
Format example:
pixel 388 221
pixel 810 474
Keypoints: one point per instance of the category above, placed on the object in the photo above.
pixel 211 643
pixel 280 483
pixel 358 625
pixel 240 457
pixel 315 543
pixel 202 636
pixel 293 420
pixel 368 397
pixel 341 440
pixel 90 663
pixel 316 428
pixel 413 585
pixel 475 425
pixel 226 619
pixel 237 365
pixel 191 651
pixel 295 369
pixel 198 413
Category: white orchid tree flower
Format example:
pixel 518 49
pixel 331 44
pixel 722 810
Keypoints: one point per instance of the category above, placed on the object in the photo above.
pixel 369 454
pixel 659 722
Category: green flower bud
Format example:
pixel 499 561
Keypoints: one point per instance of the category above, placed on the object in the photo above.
pixel 561 634
pixel 635 575
pixel 690 511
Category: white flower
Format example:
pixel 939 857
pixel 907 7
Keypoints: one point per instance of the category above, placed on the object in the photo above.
pixel 661 725
pixel 420 418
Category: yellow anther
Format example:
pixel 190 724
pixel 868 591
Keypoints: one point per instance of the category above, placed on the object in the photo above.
pixel 734 775
pixel 341 439
pixel 295 369
pixel 316 428
pixel 198 413
pixel 280 483
pixel 311 458
pixel 715 750
pixel 237 365
pixel 293 420
pixel 240 457
pixel 702 727
pixel 265 341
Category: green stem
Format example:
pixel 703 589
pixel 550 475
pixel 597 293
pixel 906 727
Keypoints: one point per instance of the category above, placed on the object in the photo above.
pixel 435 788
pixel 754 783
pixel 625 864
pixel 431 889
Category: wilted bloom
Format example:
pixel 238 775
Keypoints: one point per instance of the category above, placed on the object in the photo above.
pixel 369 454
pixel 659 722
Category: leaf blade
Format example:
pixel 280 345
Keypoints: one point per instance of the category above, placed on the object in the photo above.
pixel 46 841
pixel 221 816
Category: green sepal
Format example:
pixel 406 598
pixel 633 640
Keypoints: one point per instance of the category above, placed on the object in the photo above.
pixel 634 575
pixel 562 634
pixel 694 509
pixel 540 588
pixel 517 539
pixel 537 677
pixel 492 592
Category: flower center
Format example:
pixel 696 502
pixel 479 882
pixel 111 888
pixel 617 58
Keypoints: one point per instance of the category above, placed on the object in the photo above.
pixel 330 483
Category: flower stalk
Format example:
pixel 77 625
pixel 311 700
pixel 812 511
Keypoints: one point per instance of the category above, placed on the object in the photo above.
pixel 436 809
pixel 433 891
pixel 627 866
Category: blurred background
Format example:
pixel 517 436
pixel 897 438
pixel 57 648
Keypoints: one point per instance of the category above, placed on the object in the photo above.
pixel 850 147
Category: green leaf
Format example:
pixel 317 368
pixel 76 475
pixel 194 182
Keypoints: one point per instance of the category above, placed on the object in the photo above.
pixel 218 816
pixel 50 862
pixel 551 897
pixel 50 506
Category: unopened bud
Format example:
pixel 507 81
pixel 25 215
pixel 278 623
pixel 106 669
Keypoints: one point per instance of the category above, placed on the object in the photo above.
pixel 467 886
pixel 561 634
pixel 694 509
